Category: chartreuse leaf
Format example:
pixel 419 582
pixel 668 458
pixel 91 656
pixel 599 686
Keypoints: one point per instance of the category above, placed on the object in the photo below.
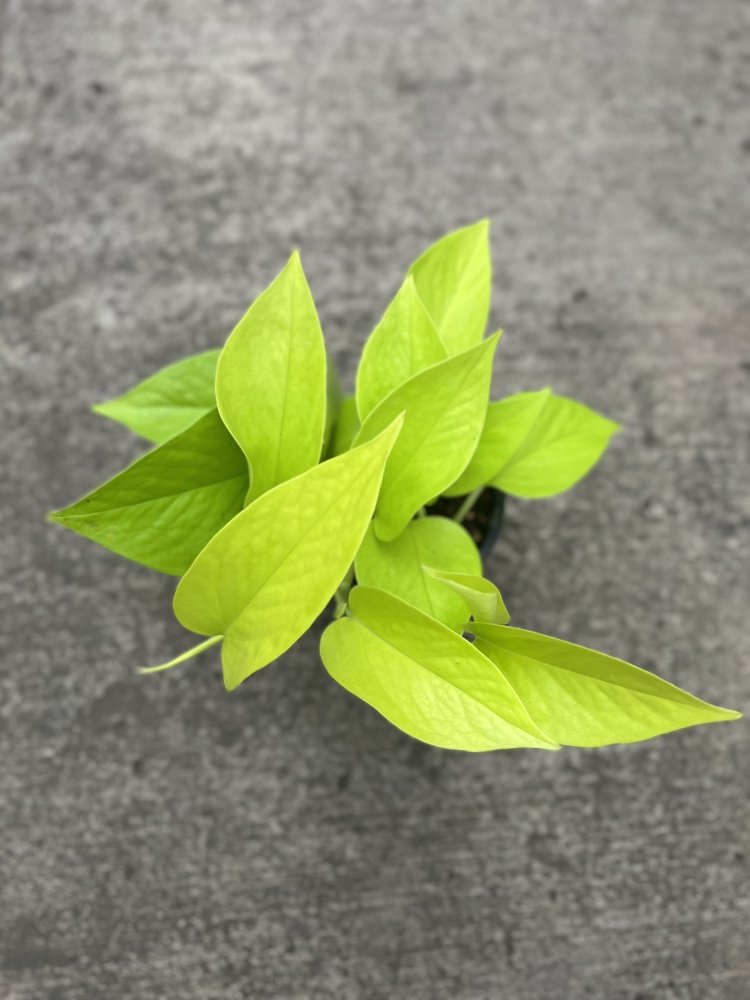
pixel 584 698
pixel 263 579
pixel 506 425
pixel 444 406
pixel 397 566
pixel 454 280
pixel 535 444
pixel 424 678
pixel 167 402
pixel 482 596
pixel 271 381
pixel 345 428
pixel 163 508
pixel 403 343
pixel 566 441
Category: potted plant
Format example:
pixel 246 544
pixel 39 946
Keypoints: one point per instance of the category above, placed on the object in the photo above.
pixel 270 495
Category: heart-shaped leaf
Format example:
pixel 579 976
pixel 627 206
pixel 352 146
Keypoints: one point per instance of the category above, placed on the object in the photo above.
pixel 535 444
pixel 403 343
pixel 445 407
pixel 566 442
pixel 263 579
pixel 169 401
pixel 481 596
pixel 163 508
pixel 424 678
pixel 397 566
pixel 271 381
pixel 454 280
pixel 584 698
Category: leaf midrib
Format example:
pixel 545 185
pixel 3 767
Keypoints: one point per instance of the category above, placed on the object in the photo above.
pixel 457 687
pixel 118 406
pixel 142 503
pixel 432 427
pixel 291 552
pixel 697 703
pixel 520 455
pixel 514 456
pixel 285 397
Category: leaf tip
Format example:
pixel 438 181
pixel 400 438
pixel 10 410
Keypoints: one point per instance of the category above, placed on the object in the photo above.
pixel 727 714
pixel 490 343
pixel 394 428
pixel 399 420
pixel 231 683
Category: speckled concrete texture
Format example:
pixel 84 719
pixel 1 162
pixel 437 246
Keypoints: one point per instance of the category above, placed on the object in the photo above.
pixel 162 839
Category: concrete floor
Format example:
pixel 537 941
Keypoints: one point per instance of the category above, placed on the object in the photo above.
pixel 157 162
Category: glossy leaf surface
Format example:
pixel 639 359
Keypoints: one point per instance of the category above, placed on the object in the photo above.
pixel 424 678
pixel 163 508
pixel 169 401
pixel 271 381
pixel 481 596
pixel 584 698
pixel 264 578
pixel 445 407
pixel 565 443
pixel 398 566
pixel 535 444
pixel 403 343
pixel 454 280
pixel 506 425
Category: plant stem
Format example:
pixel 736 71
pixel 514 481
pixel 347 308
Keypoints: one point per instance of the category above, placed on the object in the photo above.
pixel 467 505
pixel 183 656
pixel 342 593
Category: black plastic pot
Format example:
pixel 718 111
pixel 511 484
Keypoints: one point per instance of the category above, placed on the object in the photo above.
pixel 484 520
pixel 495 523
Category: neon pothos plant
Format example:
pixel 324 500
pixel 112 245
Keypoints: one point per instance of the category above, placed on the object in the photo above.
pixel 269 495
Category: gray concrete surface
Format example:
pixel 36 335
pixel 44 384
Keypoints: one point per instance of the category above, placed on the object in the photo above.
pixel 157 162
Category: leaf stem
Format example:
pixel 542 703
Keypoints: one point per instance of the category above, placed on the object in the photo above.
pixel 342 593
pixel 183 656
pixel 467 505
